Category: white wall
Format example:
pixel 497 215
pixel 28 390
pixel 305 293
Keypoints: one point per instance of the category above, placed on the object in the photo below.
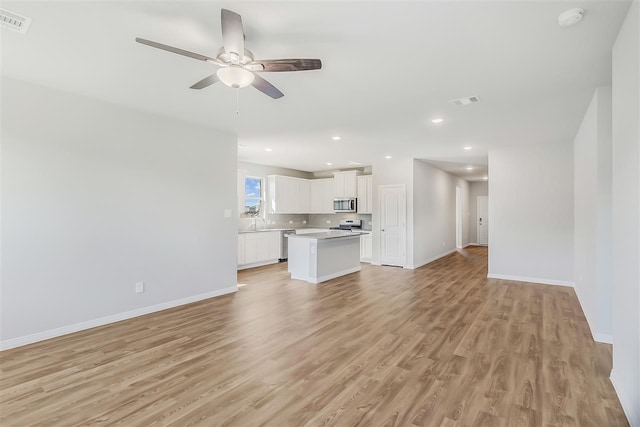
pixel 531 213
pixel 96 197
pixel 476 189
pixel 626 215
pixel 431 201
pixel 592 208
pixel 434 216
pixel 391 172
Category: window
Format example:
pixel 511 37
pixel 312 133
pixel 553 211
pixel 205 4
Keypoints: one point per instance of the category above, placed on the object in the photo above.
pixel 253 197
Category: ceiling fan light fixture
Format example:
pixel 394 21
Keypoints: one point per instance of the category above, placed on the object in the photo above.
pixel 235 76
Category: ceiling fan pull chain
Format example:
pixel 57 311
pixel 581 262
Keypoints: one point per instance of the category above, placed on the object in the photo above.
pixel 237 101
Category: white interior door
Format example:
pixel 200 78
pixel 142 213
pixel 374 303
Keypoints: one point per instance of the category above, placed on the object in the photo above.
pixel 458 217
pixel 483 220
pixel 393 219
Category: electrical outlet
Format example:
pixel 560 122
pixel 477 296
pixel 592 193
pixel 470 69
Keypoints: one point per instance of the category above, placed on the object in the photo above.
pixel 290 222
pixel 442 243
pixel 139 287
pixel 304 222
pixel 328 221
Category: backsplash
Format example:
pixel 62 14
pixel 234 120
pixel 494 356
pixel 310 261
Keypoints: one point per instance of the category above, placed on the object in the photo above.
pixel 321 220
pixel 275 221
pixel 294 221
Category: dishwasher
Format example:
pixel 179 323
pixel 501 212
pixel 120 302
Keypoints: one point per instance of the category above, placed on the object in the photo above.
pixel 284 244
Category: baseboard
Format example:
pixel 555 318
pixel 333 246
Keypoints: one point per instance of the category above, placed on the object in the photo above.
pixel 472 244
pixel 435 258
pixel 257 264
pixel 338 274
pixel 530 279
pixel 630 409
pixel 603 338
pixel 316 280
pixel 76 327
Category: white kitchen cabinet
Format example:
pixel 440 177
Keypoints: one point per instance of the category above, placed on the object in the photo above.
pixel 321 196
pixel 277 194
pixel 287 195
pixel 303 186
pixel 366 247
pixel 258 248
pixel 365 194
pixel 345 184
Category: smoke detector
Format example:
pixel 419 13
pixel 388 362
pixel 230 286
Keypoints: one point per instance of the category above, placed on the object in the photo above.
pixel 14 22
pixel 465 101
pixel 570 17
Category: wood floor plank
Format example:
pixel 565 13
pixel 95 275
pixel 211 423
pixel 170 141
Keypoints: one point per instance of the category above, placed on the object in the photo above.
pixel 437 346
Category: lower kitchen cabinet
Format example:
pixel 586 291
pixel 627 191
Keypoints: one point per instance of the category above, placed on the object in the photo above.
pixel 260 248
pixel 366 247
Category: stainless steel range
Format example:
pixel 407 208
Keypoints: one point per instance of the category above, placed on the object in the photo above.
pixel 349 225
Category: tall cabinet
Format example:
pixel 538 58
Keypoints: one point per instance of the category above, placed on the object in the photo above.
pixel 365 194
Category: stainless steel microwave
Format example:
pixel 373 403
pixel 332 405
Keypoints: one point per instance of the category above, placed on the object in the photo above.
pixel 348 204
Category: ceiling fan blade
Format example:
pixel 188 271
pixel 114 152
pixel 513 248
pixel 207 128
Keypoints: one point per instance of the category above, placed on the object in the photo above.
pixel 207 81
pixel 274 65
pixel 265 87
pixel 177 50
pixel 232 33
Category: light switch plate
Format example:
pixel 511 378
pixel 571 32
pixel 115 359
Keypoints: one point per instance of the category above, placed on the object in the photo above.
pixel 227 213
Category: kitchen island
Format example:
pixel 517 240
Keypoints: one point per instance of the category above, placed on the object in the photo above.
pixel 318 257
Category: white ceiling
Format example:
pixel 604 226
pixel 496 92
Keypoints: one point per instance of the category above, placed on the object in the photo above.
pixel 388 68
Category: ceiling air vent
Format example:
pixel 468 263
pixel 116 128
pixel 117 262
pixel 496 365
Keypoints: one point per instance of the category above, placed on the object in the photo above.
pixel 14 22
pixel 465 101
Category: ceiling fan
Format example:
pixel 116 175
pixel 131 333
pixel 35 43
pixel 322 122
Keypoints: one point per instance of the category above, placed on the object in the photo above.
pixel 238 68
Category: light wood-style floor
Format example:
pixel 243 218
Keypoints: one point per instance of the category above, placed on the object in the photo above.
pixel 437 346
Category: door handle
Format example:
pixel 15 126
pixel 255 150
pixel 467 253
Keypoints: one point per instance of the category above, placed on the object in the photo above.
pixel 382 229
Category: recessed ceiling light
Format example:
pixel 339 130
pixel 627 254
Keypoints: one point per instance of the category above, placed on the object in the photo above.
pixel 570 17
pixel 468 147
pixel 438 120
pixel 336 138
pixel 469 168
pixel 485 177
pixel 329 163
pixel 387 157
pixel 268 149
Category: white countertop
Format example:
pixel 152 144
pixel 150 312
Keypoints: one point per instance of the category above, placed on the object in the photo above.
pixel 334 234
pixel 264 230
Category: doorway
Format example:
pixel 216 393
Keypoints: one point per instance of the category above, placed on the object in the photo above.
pixel 393 219
pixel 483 220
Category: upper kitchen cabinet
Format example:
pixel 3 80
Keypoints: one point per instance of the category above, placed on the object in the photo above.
pixel 287 195
pixel 365 194
pixel 344 184
pixel 321 196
